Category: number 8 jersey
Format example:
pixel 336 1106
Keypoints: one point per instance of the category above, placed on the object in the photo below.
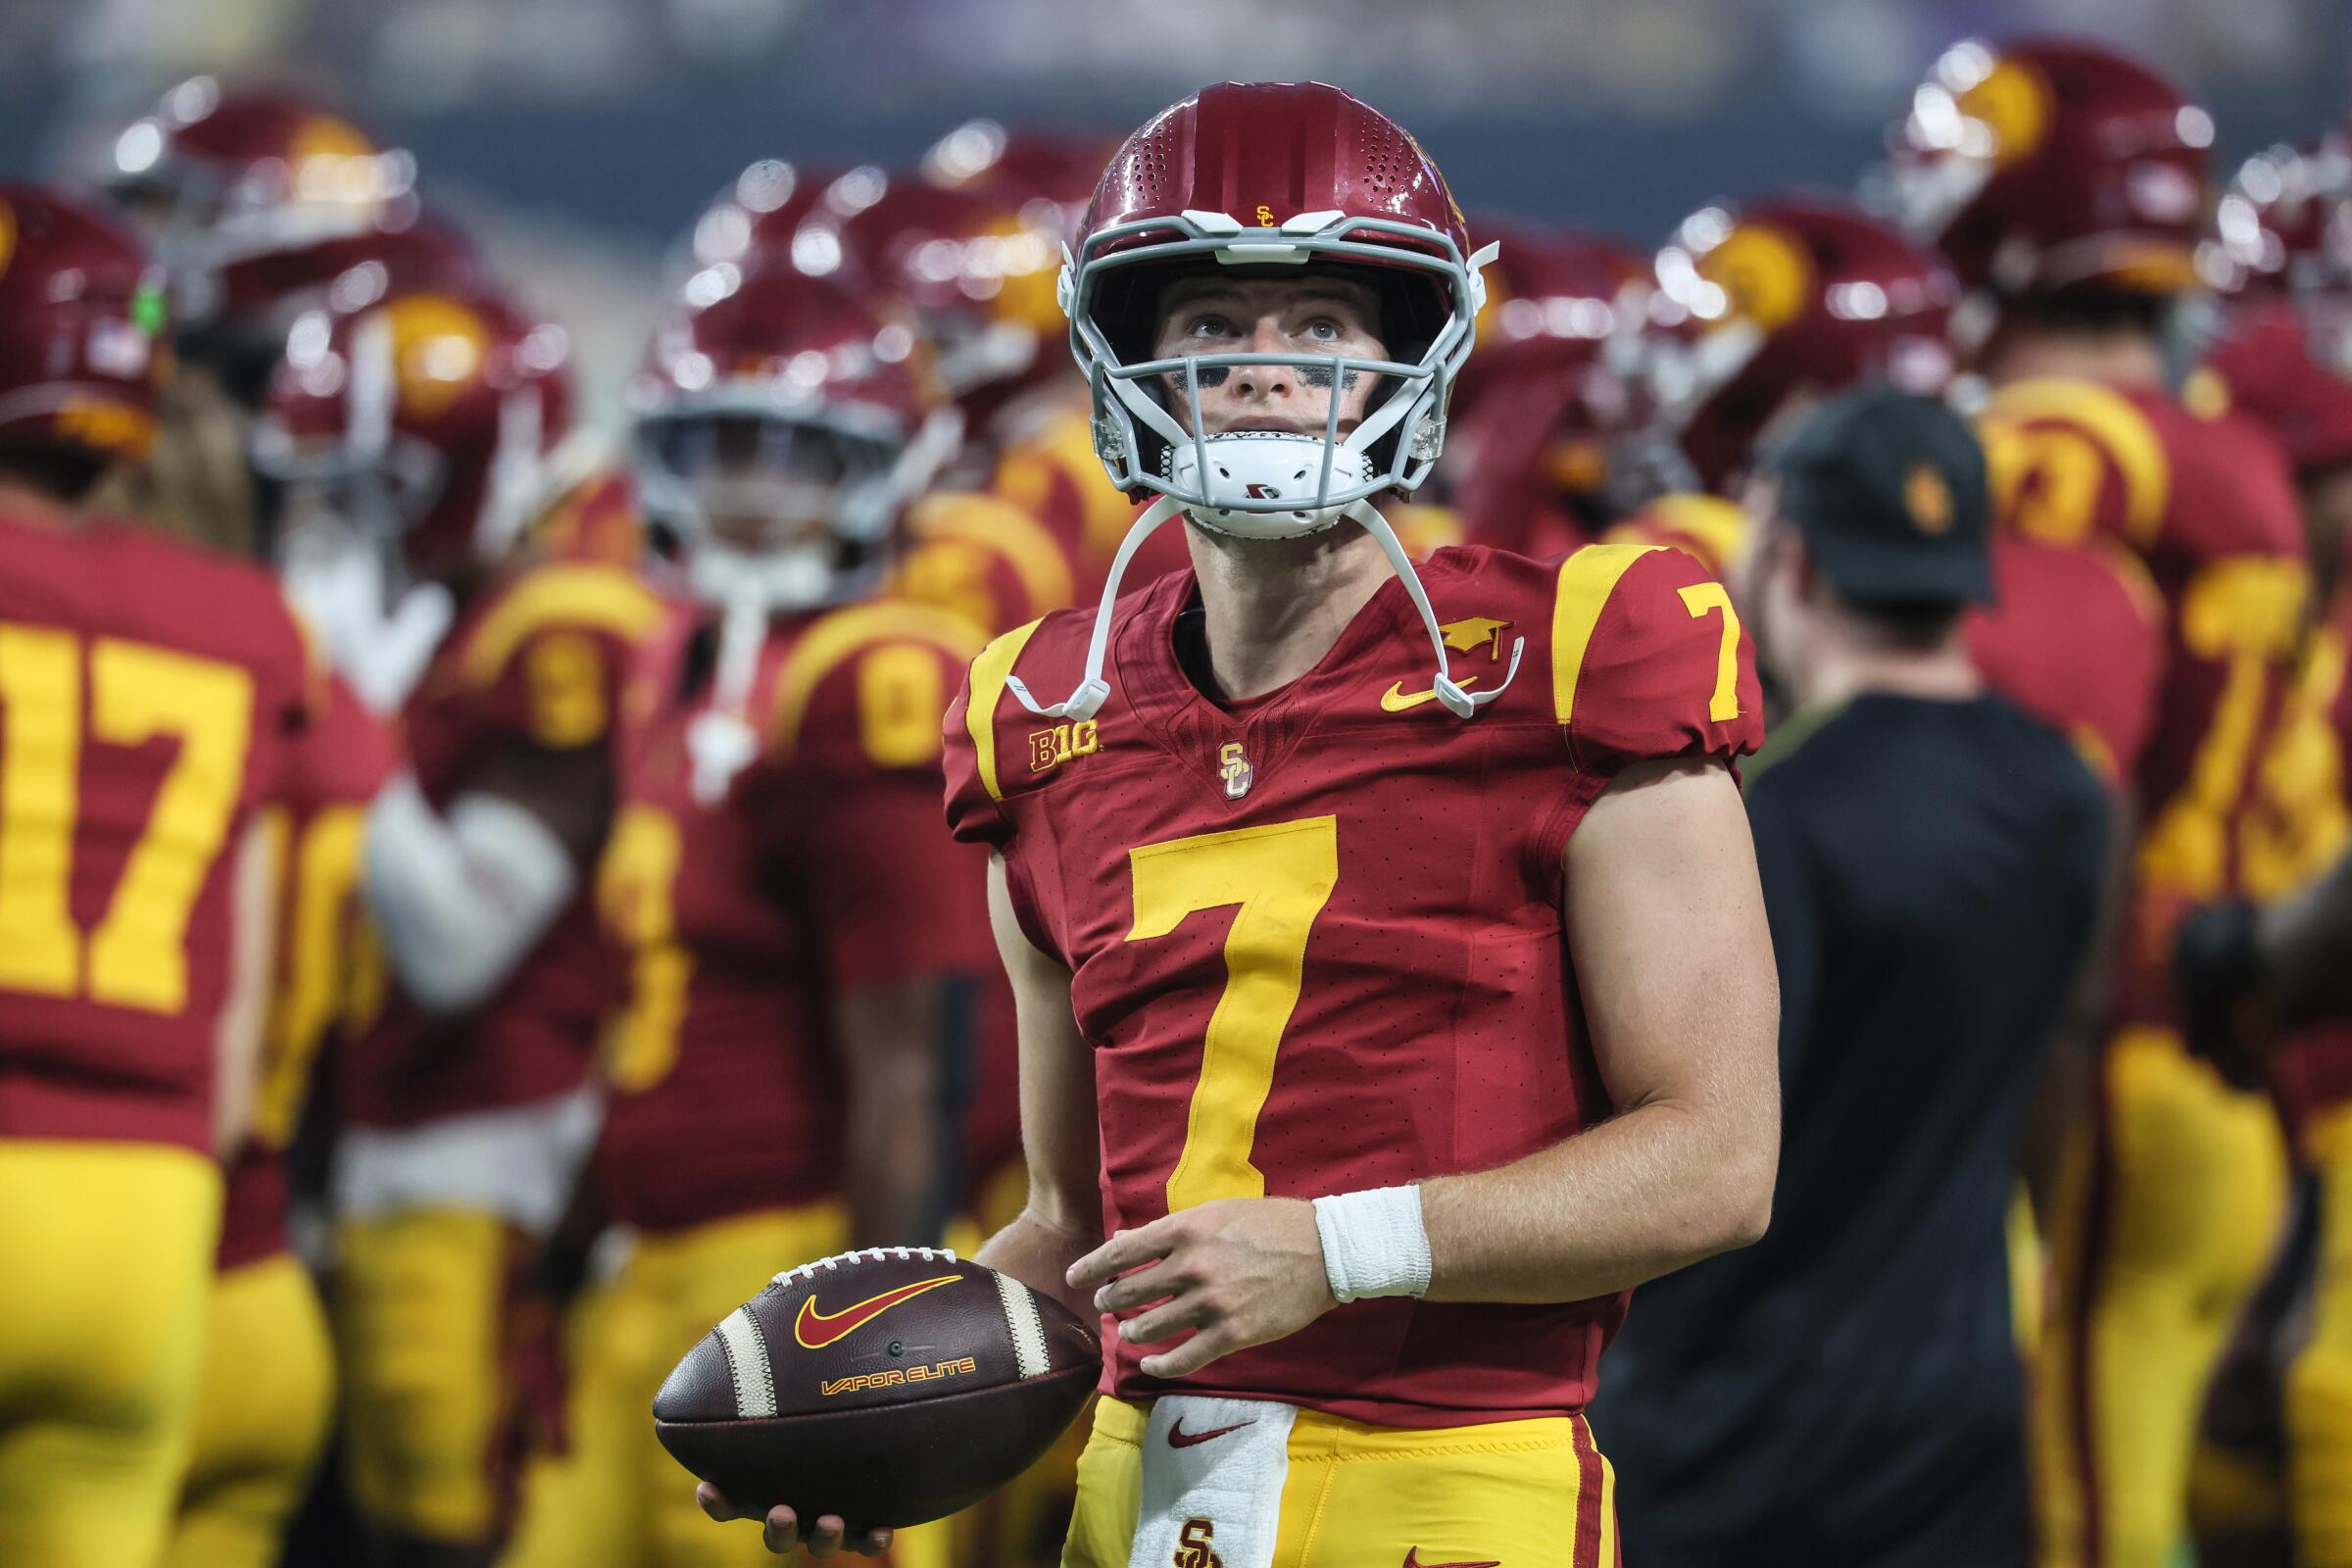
pixel 1316 938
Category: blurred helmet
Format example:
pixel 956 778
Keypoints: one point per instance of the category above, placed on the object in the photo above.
pixel 425 417
pixel 1274 178
pixel 2045 164
pixel 1775 297
pixel 782 425
pixel 81 307
pixel 2284 229
pixel 752 220
pixel 230 177
pixel 1015 167
pixel 979 272
pixel 1546 413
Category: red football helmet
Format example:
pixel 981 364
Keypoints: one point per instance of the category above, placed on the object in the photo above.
pixel 1776 297
pixel 1545 417
pixel 782 425
pixel 752 222
pixel 233 177
pixel 983 157
pixel 80 307
pixel 1280 176
pixel 979 272
pixel 2045 164
pixel 424 416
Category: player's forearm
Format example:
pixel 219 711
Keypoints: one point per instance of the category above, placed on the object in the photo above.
pixel 1653 1190
pixel 897 1135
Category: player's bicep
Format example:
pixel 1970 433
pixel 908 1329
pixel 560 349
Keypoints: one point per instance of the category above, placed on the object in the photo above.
pixel 1057 1073
pixel 1673 955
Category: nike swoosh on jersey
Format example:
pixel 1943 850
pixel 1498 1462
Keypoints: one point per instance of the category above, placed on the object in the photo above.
pixel 1412 1560
pixel 816 1328
pixel 1178 1438
pixel 1395 700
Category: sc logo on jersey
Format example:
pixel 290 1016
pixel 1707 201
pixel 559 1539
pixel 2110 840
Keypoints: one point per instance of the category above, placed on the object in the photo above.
pixel 1193 1548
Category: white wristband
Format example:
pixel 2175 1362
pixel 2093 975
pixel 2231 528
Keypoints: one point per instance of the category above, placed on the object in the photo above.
pixel 1374 1243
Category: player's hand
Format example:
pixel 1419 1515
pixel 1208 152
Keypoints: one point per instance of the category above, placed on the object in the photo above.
pixel 1237 1272
pixel 783 1530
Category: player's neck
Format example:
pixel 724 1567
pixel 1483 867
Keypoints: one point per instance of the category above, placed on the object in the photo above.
pixel 1836 670
pixel 1271 609
pixel 2118 358
pixel 23 503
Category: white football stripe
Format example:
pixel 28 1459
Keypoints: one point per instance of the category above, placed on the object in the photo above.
pixel 1027 1329
pixel 747 1359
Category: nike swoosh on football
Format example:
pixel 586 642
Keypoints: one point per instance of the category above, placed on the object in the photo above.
pixel 1394 699
pixel 816 1328
pixel 1178 1438
pixel 1412 1560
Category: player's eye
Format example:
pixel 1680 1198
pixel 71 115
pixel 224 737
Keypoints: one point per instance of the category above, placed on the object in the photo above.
pixel 1324 329
pixel 1211 326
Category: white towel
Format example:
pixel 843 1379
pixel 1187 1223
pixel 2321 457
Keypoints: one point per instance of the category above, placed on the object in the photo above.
pixel 1213 1471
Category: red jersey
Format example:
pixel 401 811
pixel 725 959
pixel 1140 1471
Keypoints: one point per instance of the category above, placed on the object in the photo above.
pixel 1315 938
pixel 2207 503
pixel 2074 636
pixel 317 821
pixel 147 693
pixel 820 869
pixel 539 657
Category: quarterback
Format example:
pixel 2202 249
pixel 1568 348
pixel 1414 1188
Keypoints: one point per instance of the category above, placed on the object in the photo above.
pixel 1393 984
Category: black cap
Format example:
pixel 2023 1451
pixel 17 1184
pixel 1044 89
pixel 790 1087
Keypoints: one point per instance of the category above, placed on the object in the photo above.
pixel 1888 490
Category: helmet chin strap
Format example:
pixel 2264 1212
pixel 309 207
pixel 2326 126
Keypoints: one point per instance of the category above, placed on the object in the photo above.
pixel 1093 690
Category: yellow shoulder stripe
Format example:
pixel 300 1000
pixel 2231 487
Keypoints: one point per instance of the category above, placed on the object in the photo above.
pixel 989 672
pixel 846 633
pixel 1064 448
pixel 2123 433
pixel 1587 579
pixel 593 597
pixel 1004 529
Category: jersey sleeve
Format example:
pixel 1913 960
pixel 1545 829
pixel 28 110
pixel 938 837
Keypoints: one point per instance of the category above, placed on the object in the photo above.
pixel 1649 659
pixel 852 803
pixel 550 658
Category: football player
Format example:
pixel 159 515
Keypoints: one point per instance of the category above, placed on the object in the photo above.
pixel 2065 183
pixel 266 1395
pixel 148 695
pixel 1765 309
pixel 422 423
pixel 2282 260
pixel 806 949
pixel 1548 440
pixel 1384 1018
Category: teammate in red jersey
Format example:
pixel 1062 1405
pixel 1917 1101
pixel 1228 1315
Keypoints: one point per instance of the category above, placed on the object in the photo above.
pixel 266 1397
pixel 807 952
pixel 425 420
pixel 2065 183
pixel 147 693
pixel 1486 1038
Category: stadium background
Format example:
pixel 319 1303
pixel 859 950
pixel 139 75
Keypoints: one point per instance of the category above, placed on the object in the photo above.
pixel 579 137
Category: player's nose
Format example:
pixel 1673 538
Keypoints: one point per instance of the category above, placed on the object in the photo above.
pixel 1266 381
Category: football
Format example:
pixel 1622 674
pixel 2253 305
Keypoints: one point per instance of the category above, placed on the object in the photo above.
pixel 891 1385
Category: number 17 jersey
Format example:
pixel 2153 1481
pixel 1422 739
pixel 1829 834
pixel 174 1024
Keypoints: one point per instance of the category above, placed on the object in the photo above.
pixel 1315 938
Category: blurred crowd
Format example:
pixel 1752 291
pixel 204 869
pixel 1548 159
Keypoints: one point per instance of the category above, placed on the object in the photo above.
pixel 621 958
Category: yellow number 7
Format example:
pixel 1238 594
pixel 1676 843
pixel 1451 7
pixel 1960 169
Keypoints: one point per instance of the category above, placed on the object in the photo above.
pixel 1701 598
pixel 1278 877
